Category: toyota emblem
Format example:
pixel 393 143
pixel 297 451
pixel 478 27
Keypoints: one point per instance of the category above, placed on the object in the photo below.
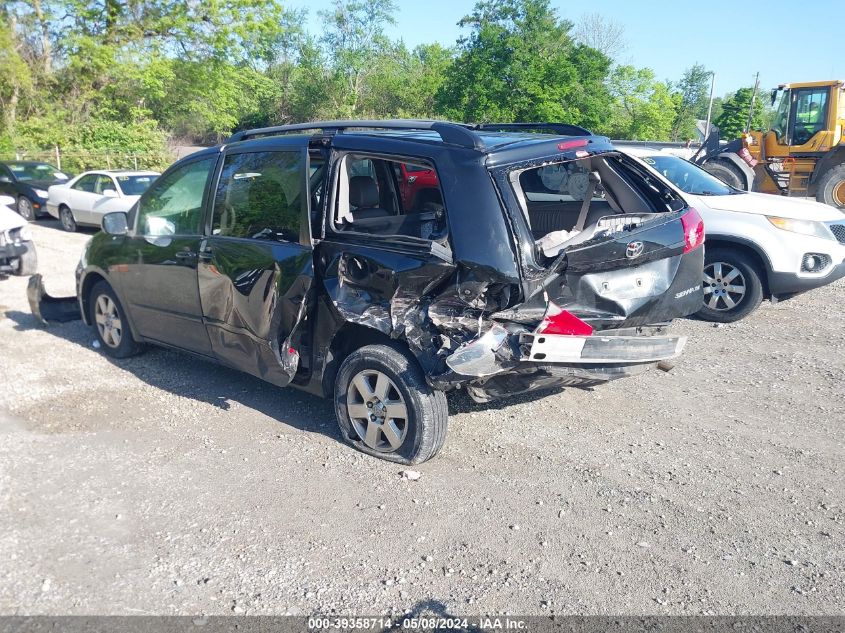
pixel 634 250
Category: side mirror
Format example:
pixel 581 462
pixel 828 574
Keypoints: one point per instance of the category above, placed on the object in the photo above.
pixel 5 179
pixel 110 193
pixel 115 223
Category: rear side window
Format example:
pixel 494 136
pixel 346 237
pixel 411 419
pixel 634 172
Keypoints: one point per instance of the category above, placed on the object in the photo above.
pixel 259 196
pixel 380 196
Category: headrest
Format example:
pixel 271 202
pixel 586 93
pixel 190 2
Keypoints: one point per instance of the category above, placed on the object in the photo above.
pixel 363 192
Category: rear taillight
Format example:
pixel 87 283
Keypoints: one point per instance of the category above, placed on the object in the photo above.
pixel 693 230
pixel 559 321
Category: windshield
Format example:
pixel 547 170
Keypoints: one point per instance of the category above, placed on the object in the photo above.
pixel 36 171
pixel 687 177
pixel 135 185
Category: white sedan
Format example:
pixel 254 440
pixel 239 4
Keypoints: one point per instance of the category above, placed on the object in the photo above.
pixel 89 196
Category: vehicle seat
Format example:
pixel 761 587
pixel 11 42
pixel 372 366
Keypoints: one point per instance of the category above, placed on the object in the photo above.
pixel 363 197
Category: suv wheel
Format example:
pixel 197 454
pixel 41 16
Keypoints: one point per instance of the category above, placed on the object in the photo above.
pixel 732 286
pixel 67 219
pixel 385 408
pixel 25 209
pixel 110 322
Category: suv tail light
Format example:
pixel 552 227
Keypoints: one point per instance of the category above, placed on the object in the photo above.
pixel 559 321
pixel 693 230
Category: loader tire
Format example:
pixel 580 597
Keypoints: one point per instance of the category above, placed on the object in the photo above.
pixel 727 172
pixel 831 187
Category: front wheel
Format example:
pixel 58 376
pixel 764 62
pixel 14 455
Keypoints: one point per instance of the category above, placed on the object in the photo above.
pixel 385 408
pixel 25 209
pixel 110 323
pixel 732 286
pixel 67 219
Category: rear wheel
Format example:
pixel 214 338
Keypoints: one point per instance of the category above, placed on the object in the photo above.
pixel 110 324
pixel 727 172
pixel 67 219
pixel 25 209
pixel 732 286
pixel 385 408
pixel 831 187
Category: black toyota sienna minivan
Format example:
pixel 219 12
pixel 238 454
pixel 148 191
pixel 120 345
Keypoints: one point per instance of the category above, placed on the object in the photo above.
pixel 292 254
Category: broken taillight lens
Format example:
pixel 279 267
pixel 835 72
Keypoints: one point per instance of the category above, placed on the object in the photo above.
pixel 559 321
pixel 693 230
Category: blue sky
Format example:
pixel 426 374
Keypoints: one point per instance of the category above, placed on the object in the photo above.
pixel 741 39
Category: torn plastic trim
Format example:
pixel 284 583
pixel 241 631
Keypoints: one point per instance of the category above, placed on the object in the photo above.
pixel 595 349
pixel 50 309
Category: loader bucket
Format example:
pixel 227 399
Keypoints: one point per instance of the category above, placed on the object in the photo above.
pixel 49 309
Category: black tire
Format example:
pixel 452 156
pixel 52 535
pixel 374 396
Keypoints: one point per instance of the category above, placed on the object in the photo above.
pixel 28 263
pixel 831 187
pixel 126 346
pixel 727 172
pixel 751 277
pixel 25 209
pixel 67 219
pixel 427 417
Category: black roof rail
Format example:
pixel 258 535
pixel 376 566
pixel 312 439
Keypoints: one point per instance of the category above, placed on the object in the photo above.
pixel 564 129
pixel 452 133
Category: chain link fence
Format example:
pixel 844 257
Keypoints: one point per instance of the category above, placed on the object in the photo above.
pixel 76 161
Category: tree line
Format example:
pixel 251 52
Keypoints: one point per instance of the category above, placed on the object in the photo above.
pixel 133 74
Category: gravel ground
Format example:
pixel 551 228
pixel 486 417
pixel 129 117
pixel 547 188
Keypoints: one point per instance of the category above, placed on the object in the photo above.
pixel 164 485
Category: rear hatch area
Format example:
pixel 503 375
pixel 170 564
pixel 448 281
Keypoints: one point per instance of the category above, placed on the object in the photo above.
pixel 610 257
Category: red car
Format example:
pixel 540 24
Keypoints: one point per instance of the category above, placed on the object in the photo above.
pixel 418 185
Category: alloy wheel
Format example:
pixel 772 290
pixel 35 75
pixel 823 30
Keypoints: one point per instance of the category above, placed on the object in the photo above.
pixel 108 321
pixel 724 286
pixel 25 209
pixel 377 411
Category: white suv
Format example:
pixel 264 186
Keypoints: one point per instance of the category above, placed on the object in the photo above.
pixel 758 245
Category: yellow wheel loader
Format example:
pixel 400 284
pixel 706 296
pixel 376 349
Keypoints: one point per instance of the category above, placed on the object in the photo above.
pixel 802 155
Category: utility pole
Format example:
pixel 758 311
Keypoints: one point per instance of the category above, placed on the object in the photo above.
pixel 753 99
pixel 709 107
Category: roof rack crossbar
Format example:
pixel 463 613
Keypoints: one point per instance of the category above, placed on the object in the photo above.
pixel 452 133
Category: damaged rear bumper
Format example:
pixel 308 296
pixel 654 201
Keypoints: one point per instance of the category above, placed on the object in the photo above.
pixel 501 363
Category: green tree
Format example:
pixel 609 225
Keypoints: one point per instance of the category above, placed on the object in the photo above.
pixel 643 108
pixel 354 42
pixel 734 116
pixel 694 90
pixel 519 63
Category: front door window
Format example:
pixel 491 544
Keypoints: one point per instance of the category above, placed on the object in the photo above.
pixel 173 205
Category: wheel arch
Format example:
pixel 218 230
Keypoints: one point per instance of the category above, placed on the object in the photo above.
pixel 744 246
pixel 348 338
pixel 828 161
pixel 87 283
